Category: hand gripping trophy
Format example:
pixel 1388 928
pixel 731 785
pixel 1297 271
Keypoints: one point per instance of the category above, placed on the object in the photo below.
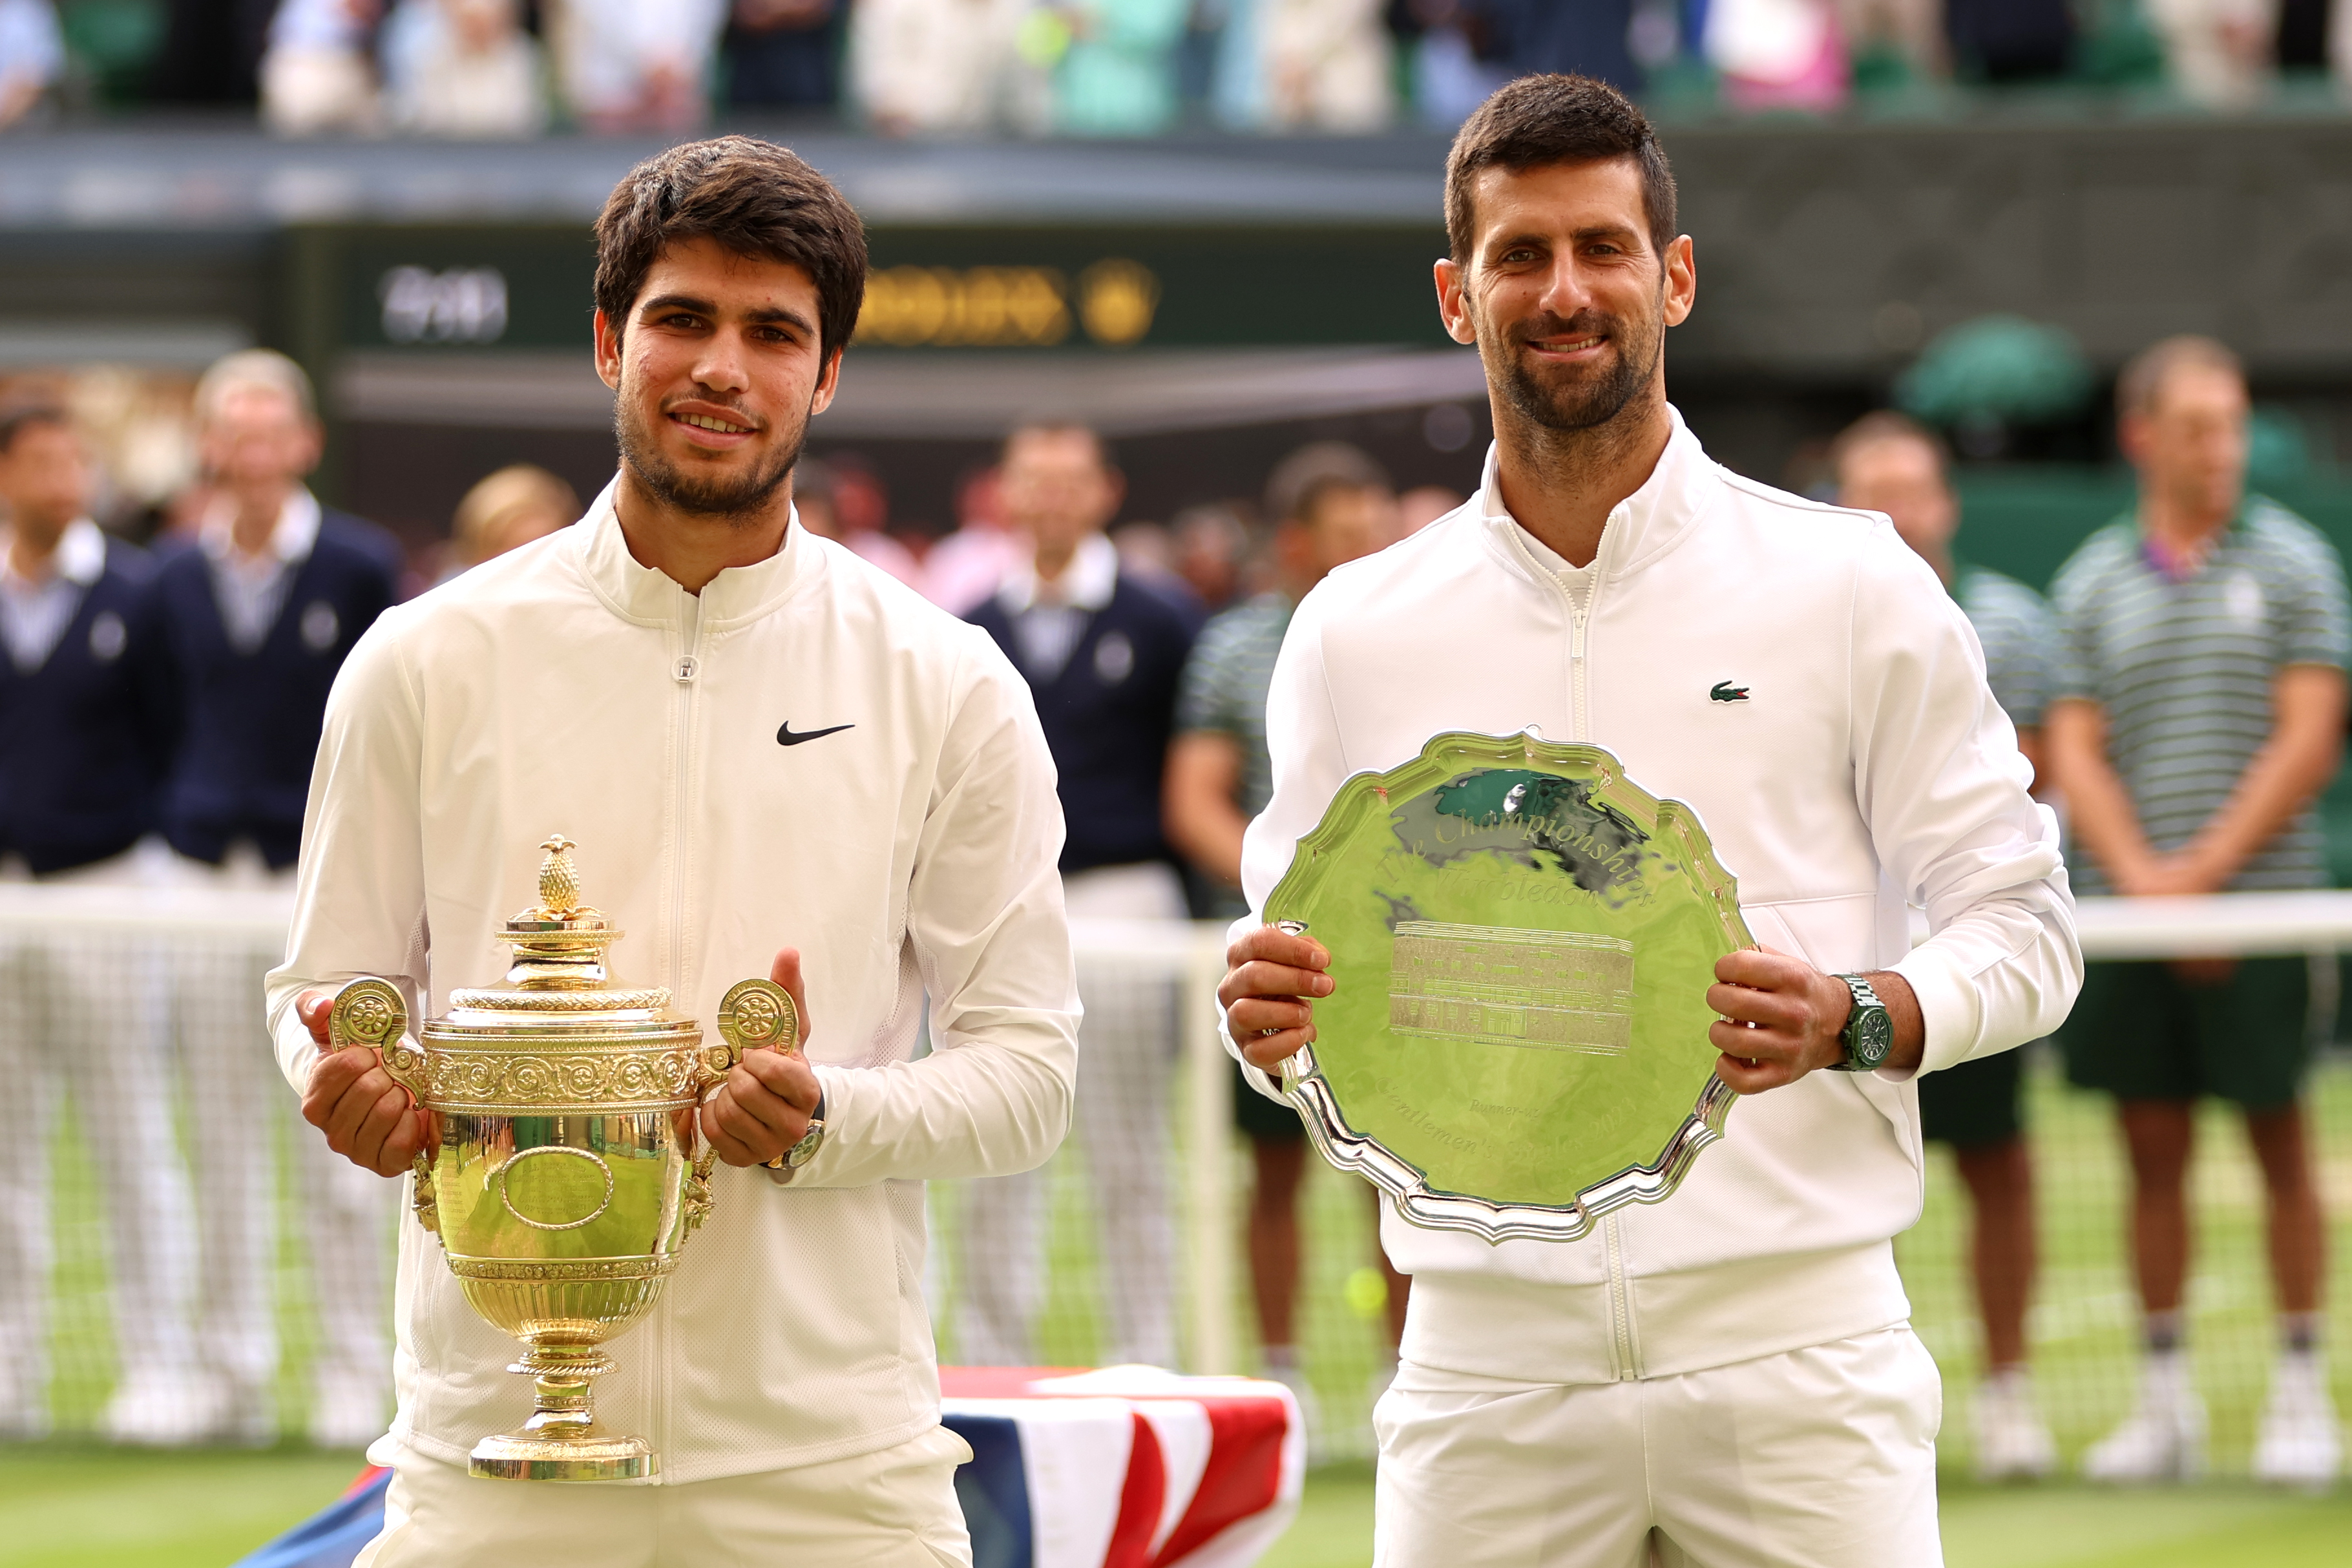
pixel 560 1166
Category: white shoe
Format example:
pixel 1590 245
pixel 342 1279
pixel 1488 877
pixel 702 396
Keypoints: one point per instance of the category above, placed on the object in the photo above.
pixel 2302 1443
pixel 2012 1443
pixel 347 1411
pixel 2163 1439
pixel 164 1408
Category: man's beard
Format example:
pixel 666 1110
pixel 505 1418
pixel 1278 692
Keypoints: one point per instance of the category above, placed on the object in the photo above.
pixel 739 499
pixel 1591 401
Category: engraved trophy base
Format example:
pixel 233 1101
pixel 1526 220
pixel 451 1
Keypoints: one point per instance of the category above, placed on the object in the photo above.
pixel 561 1441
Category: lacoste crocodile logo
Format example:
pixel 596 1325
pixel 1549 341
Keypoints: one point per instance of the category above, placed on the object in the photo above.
pixel 784 736
pixel 1725 692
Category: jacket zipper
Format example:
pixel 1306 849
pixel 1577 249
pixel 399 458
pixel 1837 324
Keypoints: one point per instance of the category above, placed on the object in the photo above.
pixel 688 665
pixel 1621 1344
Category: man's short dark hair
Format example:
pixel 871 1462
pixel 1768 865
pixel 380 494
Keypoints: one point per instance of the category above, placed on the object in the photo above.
pixel 1029 427
pixel 17 418
pixel 1300 481
pixel 1544 120
pixel 753 198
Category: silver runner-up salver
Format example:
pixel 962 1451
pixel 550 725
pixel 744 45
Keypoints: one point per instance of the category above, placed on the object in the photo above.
pixel 1521 943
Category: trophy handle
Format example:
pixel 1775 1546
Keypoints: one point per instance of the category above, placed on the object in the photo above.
pixel 752 1016
pixel 370 1012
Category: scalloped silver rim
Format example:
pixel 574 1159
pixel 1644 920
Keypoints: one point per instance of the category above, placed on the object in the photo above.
pixel 1422 1204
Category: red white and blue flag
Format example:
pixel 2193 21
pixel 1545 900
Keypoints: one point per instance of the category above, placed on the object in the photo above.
pixel 1125 1467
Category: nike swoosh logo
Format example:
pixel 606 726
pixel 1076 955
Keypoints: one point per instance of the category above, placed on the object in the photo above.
pixel 784 736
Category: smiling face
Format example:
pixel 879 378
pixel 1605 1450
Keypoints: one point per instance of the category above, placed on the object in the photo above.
pixel 717 371
pixel 1564 293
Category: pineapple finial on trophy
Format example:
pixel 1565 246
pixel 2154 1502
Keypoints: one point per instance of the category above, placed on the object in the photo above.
pixel 558 880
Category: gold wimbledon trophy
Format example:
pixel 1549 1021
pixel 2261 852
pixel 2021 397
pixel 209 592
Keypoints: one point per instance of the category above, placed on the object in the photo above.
pixel 561 1168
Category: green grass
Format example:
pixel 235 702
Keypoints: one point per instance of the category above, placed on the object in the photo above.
pixel 77 1507
pixel 72 1506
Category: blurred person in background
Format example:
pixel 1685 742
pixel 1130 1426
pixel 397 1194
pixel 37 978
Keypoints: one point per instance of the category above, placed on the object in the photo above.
pixel 1335 506
pixel 1113 63
pixel 84 733
pixel 1777 54
pixel 931 67
pixel 785 54
pixel 635 66
pixel 1889 462
pixel 1452 50
pixel 1211 551
pixel 966 567
pixel 2199 711
pixel 1102 652
pixel 464 67
pixel 818 491
pixel 2217 52
pixel 1306 65
pixel 1423 504
pixel 1531 38
pixel 319 75
pixel 506 511
pixel 256 619
pixel 32 56
pixel 2010 40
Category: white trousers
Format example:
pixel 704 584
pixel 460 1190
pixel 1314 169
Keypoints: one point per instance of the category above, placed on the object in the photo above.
pixel 83 1017
pixel 241 1111
pixel 1822 1458
pixel 1127 1045
pixel 895 1508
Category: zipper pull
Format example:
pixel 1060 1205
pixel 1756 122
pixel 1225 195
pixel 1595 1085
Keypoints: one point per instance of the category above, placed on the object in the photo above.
pixel 684 669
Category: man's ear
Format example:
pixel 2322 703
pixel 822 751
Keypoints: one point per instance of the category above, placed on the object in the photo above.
pixel 608 351
pixel 828 382
pixel 1453 301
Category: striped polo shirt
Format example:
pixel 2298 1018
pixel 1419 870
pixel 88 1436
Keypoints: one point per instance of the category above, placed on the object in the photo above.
pixel 2014 626
pixel 2184 669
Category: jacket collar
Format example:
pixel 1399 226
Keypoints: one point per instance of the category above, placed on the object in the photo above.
pixel 1642 527
pixel 79 558
pixel 1086 583
pixel 641 594
pixel 290 541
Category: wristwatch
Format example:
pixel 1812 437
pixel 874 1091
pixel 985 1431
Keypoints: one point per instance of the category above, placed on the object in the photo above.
pixel 1869 1032
pixel 789 1163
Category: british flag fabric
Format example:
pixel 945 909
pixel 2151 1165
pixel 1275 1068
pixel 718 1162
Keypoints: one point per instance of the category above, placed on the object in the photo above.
pixel 1128 1467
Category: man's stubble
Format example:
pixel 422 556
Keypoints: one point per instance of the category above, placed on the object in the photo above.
pixel 740 501
pixel 1590 403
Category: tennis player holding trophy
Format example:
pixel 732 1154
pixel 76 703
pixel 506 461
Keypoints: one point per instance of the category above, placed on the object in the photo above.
pixel 1581 927
pixel 752 742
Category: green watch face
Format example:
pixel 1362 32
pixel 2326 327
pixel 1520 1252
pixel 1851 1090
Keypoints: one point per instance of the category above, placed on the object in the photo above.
pixel 1870 1035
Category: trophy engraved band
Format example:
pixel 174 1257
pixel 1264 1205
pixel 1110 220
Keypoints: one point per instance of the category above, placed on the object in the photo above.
pixel 1522 940
pixel 561 1166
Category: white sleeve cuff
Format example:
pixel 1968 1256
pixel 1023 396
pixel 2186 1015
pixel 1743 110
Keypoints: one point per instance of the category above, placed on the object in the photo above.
pixel 1948 1007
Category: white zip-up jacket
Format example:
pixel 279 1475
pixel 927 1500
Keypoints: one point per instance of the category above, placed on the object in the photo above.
pixel 566 688
pixel 1868 768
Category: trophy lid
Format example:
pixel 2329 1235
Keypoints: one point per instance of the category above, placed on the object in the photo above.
pixel 559 954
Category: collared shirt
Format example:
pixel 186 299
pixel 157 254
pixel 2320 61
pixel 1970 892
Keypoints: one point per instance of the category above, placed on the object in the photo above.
pixel 35 612
pixel 251 589
pixel 1048 618
pixel 2014 626
pixel 2182 667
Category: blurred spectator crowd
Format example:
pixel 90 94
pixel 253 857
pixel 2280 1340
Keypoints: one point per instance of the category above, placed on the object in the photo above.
pixel 1113 68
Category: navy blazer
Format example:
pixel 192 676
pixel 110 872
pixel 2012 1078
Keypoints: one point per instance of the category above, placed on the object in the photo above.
pixel 250 722
pixel 1108 714
pixel 85 738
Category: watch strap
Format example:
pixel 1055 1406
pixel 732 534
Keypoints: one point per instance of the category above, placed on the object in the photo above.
pixel 1865 1001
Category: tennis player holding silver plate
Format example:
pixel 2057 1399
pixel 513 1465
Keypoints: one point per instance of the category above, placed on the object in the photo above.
pixel 1648 1132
